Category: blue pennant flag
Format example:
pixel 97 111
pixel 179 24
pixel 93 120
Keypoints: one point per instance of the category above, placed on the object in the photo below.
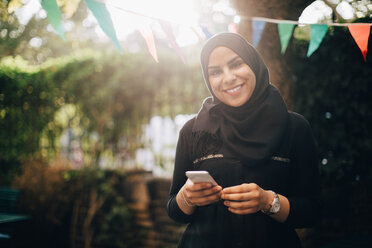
pixel 206 32
pixel 257 28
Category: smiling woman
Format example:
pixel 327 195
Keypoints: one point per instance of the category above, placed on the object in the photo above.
pixel 249 142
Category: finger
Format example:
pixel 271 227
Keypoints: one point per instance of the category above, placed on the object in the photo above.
pixel 190 186
pixel 204 192
pixel 246 196
pixel 245 187
pixel 201 201
pixel 242 205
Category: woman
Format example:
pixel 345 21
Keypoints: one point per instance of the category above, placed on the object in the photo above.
pixel 262 156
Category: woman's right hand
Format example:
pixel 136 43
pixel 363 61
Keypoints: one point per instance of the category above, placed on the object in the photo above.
pixel 197 194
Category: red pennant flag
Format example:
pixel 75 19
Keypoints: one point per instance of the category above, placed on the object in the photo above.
pixel 360 34
pixel 167 28
pixel 233 28
pixel 147 34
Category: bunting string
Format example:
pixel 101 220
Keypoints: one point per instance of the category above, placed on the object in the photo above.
pixel 136 13
pixel 301 23
pixel 359 31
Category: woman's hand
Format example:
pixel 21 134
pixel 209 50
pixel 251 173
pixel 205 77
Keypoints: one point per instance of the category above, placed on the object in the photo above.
pixel 201 194
pixel 197 194
pixel 246 198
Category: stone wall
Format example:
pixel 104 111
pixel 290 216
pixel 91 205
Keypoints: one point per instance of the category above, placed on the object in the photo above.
pixel 148 196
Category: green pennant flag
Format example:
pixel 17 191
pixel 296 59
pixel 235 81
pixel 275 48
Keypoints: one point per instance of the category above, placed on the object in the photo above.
pixel 317 33
pixel 285 34
pixel 103 17
pixel 54 16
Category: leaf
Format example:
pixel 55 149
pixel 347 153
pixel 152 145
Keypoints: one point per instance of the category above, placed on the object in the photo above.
pixel 14 5
pixel 68 7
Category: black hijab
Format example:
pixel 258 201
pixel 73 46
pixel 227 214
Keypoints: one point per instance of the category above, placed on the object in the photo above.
pixel 251 132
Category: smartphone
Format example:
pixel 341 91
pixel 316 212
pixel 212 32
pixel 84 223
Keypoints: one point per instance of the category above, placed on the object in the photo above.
pixel 200 177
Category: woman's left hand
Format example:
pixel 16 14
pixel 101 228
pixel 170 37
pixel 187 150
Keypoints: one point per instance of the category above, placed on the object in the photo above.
pixel 246 198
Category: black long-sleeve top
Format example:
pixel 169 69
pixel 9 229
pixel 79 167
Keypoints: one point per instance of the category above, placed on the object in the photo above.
pixel 292 171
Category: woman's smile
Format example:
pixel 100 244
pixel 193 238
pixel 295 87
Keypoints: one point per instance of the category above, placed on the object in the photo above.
pixel 235 89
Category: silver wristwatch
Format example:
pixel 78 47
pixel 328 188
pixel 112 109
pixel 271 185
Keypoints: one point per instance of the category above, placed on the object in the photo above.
pixel 275 205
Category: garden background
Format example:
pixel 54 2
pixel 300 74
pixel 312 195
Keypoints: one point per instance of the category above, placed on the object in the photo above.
pixel 77 117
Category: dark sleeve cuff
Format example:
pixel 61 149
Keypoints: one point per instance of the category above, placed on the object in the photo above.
pixel 175 213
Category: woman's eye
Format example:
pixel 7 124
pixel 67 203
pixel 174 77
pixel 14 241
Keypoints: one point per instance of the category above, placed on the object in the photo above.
pixel 214 72
pixel 236 64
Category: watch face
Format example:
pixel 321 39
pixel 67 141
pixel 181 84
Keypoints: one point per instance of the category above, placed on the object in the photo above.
pixel 275 207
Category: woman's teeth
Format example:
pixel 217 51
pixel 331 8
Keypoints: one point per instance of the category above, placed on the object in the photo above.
pixel 234 89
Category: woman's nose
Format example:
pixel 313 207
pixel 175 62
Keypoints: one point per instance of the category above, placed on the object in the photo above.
pixel 229 76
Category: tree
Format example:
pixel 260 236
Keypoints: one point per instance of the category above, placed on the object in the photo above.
pixel 280 69
pixel 269 46
pixel 36 41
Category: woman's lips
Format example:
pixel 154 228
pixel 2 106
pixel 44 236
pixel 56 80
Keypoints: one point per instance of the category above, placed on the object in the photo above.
pixel 235 89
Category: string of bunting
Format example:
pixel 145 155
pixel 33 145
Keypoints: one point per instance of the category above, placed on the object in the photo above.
pixel 359 31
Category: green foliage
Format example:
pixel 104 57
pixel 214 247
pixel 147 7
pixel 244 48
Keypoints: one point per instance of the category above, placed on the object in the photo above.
pixel 332 89
pixel 103 98
pixel 36 42
pixel 28 103
pixel 69 205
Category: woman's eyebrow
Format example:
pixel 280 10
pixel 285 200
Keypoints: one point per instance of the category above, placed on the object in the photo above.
pixel 233 59
pixel 229 62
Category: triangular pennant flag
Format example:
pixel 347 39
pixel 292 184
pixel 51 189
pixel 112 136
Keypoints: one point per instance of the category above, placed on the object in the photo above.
pixel 206 32
pixel 147 34
pixel 257 28
pixel 197 34
pixel 167 28
pixel 103 17
pixel 317 33
pixel 233 28
pixel 360 34
pixel 285 33
pixel 54 16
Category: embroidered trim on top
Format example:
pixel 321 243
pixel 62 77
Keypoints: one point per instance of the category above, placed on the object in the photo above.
pixel 207 157
pixel 281 159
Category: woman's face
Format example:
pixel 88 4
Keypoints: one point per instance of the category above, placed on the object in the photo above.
pixel 231 79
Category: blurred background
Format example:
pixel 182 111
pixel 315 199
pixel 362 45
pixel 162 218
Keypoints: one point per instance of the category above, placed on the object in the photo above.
pixel 93 94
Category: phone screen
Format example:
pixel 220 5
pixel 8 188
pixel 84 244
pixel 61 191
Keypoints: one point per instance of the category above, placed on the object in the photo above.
pixel 200 177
